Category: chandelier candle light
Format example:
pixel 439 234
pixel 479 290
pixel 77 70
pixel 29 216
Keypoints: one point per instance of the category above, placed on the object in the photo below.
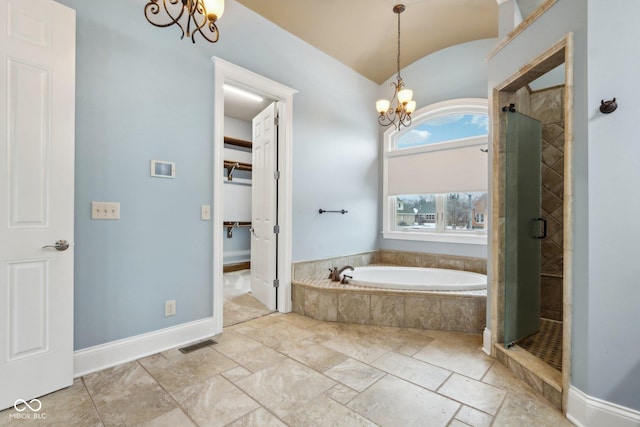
pixel 192 16
pixel 401 114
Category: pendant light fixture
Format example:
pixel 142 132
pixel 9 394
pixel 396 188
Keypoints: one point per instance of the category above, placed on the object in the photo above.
pixel 400 114
pixel 192 16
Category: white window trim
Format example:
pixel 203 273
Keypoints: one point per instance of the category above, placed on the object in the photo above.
pixel 453 106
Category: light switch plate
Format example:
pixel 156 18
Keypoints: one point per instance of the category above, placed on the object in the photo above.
pixel 105 210
pixel 205 212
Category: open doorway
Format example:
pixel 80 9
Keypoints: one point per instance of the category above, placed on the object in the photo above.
pixel 547 372
pixel 237 119
pixel 241 106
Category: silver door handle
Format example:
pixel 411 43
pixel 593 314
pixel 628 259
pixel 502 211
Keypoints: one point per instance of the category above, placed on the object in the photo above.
pixel 61 245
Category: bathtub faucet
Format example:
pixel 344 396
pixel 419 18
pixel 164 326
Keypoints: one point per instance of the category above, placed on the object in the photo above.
pixel 335 275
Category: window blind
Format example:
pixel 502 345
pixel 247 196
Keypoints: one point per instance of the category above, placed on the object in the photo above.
pixel 444 171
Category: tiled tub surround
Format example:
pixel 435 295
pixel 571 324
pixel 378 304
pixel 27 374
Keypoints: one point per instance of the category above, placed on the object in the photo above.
pixel 316 296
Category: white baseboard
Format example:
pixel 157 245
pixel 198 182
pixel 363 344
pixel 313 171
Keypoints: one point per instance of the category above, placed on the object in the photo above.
pixel 486 341
pixel 587 411
pixel 233 257
pixel 113 353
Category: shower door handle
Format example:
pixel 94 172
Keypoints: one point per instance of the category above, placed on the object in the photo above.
pixel 544 228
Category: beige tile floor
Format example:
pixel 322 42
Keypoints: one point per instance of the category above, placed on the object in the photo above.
pixel 239 305
pixel 241 308
pixel 287 369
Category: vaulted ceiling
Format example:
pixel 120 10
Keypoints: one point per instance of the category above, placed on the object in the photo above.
pixel 363 33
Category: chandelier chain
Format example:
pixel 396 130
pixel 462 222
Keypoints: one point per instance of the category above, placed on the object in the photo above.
pixel 398 60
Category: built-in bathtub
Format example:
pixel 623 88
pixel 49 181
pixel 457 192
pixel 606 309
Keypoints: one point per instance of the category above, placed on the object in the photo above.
pixel 417 279
pixel 464 310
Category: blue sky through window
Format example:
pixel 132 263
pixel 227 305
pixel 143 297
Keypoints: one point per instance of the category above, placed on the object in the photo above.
pixel 445 128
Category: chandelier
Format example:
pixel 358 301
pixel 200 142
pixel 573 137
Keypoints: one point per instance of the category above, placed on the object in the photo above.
pixel 192 16
pixel 400 115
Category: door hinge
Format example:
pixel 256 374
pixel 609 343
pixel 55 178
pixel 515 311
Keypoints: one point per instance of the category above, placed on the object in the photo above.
pixel 276 175
pixel 276 283
pixel 276 120
pixel 276 229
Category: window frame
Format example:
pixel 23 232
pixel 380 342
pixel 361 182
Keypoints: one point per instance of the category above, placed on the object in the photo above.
pixel 390 137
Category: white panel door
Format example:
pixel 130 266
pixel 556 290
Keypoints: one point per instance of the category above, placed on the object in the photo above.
pixel 264 207
pixel 37 115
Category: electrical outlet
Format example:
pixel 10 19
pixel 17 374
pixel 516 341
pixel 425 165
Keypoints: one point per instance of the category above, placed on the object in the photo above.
pixel 170 308
pixel 105 210
pixel 205 212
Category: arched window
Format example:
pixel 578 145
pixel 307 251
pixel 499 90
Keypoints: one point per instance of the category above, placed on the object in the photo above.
pixel 435 174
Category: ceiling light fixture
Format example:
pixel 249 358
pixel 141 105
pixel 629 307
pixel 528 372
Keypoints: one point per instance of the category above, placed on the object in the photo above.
pixel 244 93
pixel 400 115
pixel 197 16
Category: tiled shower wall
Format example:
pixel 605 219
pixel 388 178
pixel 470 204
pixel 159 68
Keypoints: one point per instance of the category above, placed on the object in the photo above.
pixel 548 107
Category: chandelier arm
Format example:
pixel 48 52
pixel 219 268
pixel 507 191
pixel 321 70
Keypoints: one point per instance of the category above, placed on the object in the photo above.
pixel 154 9
pixel 213 29
pixel 206 22
pixel 175 20
pixel 383 121
pixel 405 120
pixel 194 10
pixel 388 118
pixel 193 7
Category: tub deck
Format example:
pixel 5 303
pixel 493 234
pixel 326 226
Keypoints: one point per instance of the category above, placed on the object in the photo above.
pixel 320 298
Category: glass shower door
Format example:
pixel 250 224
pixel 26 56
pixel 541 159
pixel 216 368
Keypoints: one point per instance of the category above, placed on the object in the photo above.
pixel 523 227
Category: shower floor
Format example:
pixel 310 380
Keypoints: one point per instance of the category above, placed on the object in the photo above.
pixel 546 345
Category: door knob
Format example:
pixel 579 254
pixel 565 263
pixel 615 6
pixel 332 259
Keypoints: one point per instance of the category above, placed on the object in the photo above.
pixel 61 245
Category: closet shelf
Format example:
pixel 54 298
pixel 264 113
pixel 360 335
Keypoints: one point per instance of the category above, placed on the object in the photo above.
pixel 231 166
pixel 237 142
pixel 230 225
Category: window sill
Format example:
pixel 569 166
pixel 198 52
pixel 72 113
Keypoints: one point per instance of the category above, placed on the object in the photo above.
pixel 469 239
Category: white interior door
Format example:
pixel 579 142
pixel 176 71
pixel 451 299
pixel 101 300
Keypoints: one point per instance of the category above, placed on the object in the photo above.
pixel 37 115
pixel 264 206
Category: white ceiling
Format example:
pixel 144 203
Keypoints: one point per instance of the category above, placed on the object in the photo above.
pixel 242 108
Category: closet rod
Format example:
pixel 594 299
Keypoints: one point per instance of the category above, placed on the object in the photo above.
pixel 231 166
pixel 230 225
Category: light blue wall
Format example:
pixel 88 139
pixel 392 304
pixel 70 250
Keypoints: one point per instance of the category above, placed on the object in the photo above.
pixel 335 149
pixel 605 350
pixel 614 176
pixel 456 72
pixel 134 104
pixel 144 94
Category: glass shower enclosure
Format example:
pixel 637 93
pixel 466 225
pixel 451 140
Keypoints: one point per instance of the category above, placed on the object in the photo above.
pixel 524 227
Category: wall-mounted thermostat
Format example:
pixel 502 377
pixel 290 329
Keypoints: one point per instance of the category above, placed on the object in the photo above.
pixel 161 169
